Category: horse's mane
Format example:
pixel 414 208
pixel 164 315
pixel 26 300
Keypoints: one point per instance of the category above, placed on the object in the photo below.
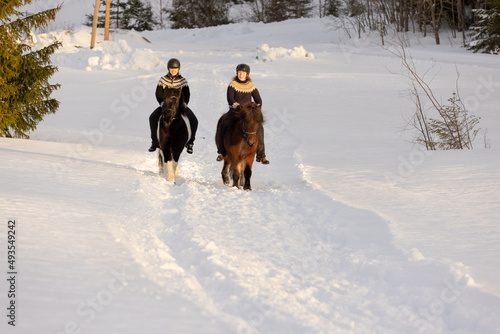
pixel 249 112
pixel 181 107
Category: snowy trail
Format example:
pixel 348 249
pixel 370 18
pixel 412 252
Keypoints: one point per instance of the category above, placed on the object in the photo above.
pixel 284 257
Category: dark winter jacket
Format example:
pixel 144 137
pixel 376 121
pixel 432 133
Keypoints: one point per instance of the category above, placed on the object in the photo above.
pixel 241 92
pixel 168 81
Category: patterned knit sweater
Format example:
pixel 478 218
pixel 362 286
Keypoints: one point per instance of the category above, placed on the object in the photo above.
pixel 241 92
pixel 168 81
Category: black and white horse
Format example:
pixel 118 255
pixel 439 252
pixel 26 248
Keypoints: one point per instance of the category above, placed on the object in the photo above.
pixel 174 131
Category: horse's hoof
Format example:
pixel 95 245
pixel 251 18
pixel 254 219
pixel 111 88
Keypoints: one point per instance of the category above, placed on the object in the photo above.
pixel 225 178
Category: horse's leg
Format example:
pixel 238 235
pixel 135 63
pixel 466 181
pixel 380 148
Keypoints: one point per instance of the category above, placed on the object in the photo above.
pixel 248 171
pixel 175 159
pixel 175 163
pixel 161 169
pixel 167 166
pixel 171 158
pixel 248 175
pixel 161 154
pixel 236 178
pixel 170 171
pixel 225 172
pixel 236 175
pixel 242 176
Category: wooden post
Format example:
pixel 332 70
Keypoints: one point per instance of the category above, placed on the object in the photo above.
pixel 94 26
pixel 106 24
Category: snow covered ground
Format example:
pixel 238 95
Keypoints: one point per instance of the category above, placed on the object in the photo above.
pixel 350 229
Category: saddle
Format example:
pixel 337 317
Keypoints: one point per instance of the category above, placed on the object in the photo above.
pixel 188 125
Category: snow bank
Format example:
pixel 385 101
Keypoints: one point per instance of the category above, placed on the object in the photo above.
pixel 120 56
pixel 106 55
pixel 267 53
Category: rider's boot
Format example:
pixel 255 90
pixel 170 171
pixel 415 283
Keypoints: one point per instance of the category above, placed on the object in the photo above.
pixel 262 160
pixel 154 146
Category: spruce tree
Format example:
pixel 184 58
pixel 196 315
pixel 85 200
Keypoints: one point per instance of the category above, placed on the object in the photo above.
pixel 213 12
pixel 487 29
pixel 116 10
pixel 332 8
pixel 182 14
pixel 199 13
pixel 277 10
pixel 138 16
pixel 300 8
pixel 24 74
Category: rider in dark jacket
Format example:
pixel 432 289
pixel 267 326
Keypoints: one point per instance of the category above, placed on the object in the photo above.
pixel 241 90
pixel 173 79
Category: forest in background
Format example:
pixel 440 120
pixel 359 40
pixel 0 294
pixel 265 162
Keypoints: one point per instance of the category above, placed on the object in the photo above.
pixel 475 22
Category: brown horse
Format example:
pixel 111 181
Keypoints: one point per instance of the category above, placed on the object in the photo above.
pixel 240 142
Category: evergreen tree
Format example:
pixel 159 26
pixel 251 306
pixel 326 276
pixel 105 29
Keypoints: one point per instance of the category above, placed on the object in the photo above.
pixel 487 28
pixel 455 129
pixel 181 14
pixel 332 8
pixel 24 74
pixel 125 14
pixel 199 13
pixel 278 10
pixel 114 14
pixel 281 10
pixel 300 8
pixel 138 16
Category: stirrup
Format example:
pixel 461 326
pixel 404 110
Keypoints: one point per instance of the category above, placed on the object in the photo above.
pixel 189 148
pixel 220 157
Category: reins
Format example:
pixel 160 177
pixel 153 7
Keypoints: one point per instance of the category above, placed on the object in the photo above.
pixel 246 133
pixel 171 119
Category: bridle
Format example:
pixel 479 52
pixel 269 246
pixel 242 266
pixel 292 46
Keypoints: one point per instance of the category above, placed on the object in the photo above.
pixel 246 133
pixel 173 115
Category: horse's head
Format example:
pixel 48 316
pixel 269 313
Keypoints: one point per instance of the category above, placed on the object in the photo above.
pixel 251 117
pixel 172 100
